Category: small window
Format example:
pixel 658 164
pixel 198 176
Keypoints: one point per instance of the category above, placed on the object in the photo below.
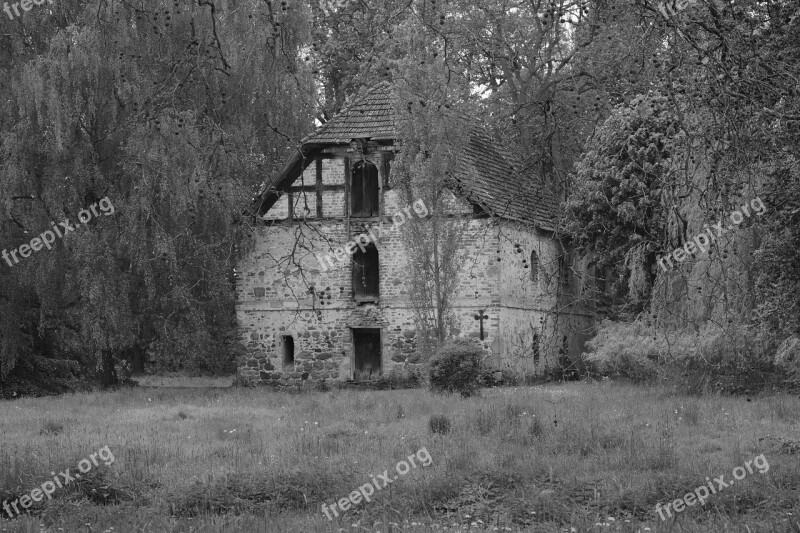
pixel 288 350
pixel 364 190
pixel 387 169
pixel 366 274
pixel 536 352
pixel 534 267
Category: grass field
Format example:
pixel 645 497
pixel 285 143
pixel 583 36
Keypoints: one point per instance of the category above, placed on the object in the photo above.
pixel 593 457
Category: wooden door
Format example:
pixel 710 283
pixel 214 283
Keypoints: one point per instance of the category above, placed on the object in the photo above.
pixel 367 353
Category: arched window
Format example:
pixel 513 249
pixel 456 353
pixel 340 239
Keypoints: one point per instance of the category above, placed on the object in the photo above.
pixel 366 279
pixel 364 190
pixel 534 267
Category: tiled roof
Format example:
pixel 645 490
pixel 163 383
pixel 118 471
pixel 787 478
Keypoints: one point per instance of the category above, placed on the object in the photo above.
pixel 491 177
pixel 487 173
pixel 371 115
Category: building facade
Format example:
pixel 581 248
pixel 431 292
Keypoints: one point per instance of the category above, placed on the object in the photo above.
pixel 325 293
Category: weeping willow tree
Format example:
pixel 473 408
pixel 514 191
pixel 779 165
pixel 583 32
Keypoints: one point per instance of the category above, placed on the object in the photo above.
pixel 176 113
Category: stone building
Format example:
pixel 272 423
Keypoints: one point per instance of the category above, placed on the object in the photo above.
pixel 309 310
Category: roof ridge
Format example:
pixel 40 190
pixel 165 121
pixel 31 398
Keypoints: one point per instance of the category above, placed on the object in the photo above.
pixel 340 119
pixel 359 99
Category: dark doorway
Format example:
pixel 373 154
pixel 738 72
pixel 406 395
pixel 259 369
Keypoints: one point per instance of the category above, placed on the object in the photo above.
pixel 367 352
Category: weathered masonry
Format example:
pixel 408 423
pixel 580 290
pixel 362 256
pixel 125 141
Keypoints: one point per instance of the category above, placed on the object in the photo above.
pixel 304 321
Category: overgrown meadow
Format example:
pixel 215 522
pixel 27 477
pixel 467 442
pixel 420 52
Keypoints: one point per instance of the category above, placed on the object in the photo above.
pixel 587 456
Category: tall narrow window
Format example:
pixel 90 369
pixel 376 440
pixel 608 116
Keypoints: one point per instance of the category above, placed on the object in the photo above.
pixel 318 178
pixel 536 352
pixel 534 267
pixel 387 168
pixel 364 190
pixel 565 266
pixel 366 279
pixel 288 350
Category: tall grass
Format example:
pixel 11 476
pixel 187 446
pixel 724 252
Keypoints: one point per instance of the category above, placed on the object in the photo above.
pixel 540 458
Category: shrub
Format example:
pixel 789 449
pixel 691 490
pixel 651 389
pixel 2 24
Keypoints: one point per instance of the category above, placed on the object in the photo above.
pixel 124 371
pixel 637 369
pixel 625 350
pixel 489 376
pixel 711 357
pixel 457 367
pixel 439 424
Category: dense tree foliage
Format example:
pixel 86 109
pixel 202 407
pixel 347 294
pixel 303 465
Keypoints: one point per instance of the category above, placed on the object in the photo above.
pixel 617 213
pixel 178 112
pixel 722 130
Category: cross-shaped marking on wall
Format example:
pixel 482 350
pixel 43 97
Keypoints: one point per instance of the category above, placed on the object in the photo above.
pixel 480 316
